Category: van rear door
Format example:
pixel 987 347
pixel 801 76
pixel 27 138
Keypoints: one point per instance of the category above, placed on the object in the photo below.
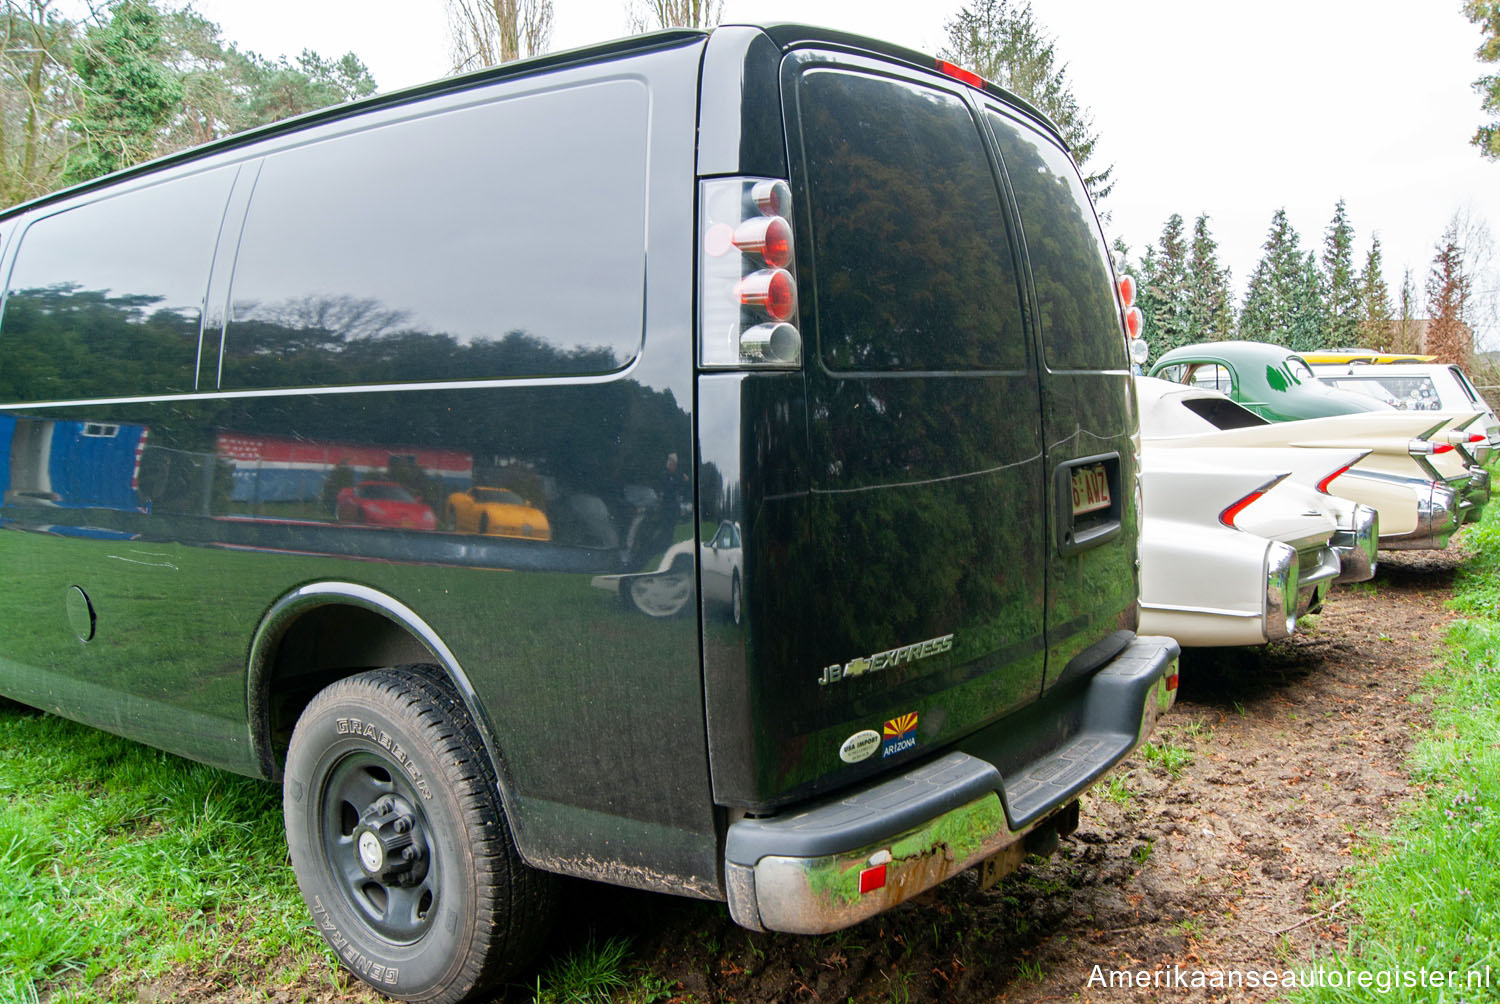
pixel 925 520
pixel 1088 404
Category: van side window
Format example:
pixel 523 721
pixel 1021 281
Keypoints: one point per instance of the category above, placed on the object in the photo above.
pixel 913 264
pixel 1080 319
pixel 106 299
pixel 440 248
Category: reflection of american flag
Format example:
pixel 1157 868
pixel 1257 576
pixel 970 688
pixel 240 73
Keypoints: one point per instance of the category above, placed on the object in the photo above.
pixel 300 454
pixel 238 447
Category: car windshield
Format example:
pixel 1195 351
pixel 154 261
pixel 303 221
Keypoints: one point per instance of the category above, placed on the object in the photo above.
pixel 384 493
pixel 498 495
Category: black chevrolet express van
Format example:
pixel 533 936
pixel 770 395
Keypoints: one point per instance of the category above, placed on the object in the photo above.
pixel 702 462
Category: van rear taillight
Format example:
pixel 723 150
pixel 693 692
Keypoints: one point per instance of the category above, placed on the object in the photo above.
pixel 770 290
pixel 767 236
pixel 748 275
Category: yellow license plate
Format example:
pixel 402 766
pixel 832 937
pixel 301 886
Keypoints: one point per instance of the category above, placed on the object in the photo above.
pixel 1090 489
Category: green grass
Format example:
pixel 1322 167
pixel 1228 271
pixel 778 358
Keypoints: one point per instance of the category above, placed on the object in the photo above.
pixel 119 863
pixel 1167 755
pixel 1425 895
pixel 599 974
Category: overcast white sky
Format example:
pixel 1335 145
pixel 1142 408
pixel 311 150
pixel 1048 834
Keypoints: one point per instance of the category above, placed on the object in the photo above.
pixel 1201 105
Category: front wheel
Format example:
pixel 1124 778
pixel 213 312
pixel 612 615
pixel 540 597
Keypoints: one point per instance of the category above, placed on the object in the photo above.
pixel 399 841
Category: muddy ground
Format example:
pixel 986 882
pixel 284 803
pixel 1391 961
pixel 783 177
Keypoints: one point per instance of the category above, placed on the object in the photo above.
pixel 1298 754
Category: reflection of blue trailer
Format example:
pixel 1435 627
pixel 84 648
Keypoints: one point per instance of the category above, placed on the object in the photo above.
pixel 71 464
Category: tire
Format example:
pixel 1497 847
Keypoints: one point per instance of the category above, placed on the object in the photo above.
pixel 736 600
pixel 484 524
pixel 400 844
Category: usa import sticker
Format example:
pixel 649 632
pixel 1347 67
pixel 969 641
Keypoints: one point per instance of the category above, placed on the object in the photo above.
pixel 860 746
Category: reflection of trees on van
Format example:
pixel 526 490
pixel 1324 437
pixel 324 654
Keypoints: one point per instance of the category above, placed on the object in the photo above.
pixel 590 456
pixel 318 341
pixel 891 190
pixel 62 341
pixel 1069 263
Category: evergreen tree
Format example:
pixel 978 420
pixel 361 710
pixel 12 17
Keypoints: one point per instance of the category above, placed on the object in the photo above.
pixel 1340 302
pixel 1002 42
pixel 1308 324
pixel 1375 312
pixel 1404 336
pixel 1486 14
pixel 1276 303
pixel 1168 289
pixel 1152 307
pixel 1210 312
pixel 129 95
pixel 1448 288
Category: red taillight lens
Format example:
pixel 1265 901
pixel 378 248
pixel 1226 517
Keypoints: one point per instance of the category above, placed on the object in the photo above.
pixel 1126 286
pixel 1172 682
pixel 747 295
pixel 1442 448
pixel 768 236
pixel 1476 437
pixel 871 879
pixel 1323 485
pixel 1228 516
pixel 771 290
pixel 959 73
pixel 1135 322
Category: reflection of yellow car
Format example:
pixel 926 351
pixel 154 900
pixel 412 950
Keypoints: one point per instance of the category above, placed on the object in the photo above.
pixel 1363 356
pixel 497 511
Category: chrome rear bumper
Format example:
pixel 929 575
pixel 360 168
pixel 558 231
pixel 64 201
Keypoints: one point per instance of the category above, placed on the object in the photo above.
pixel 852 856
pixel 1357 545
pixel 1437 518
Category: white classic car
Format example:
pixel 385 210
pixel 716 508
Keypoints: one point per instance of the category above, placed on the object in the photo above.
pixel 668 589
pixel 1420 472
pixel 1415 386
pixel 1233 551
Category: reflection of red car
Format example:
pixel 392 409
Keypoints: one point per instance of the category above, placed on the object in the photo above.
pixel 384 503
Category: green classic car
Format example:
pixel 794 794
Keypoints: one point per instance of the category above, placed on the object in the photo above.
pixel 1271 380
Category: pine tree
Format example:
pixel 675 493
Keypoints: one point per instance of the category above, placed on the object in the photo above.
pixel 1404 333
pixel 129 95
pixel 1277 301
pixel 1210 312
pixel 1486 14
pixel 1375 312
pixel 1448 290
pixel 1340 288
pixel 1003 43
pixel 1167 285
pixel 1308 323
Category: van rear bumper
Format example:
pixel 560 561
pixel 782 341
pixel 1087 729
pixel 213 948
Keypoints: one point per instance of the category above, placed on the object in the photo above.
pixel 843 860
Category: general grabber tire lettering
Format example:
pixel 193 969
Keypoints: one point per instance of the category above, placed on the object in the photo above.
pixel 399 841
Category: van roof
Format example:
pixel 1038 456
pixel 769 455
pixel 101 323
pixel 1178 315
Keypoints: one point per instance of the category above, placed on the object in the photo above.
pixel 786 36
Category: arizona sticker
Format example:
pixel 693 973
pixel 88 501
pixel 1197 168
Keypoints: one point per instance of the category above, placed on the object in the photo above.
pixel 899 734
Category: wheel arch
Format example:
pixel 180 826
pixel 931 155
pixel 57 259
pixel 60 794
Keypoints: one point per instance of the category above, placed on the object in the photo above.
pixel 325 631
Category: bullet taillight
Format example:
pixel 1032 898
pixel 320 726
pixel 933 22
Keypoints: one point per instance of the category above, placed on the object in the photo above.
pixel 748 275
